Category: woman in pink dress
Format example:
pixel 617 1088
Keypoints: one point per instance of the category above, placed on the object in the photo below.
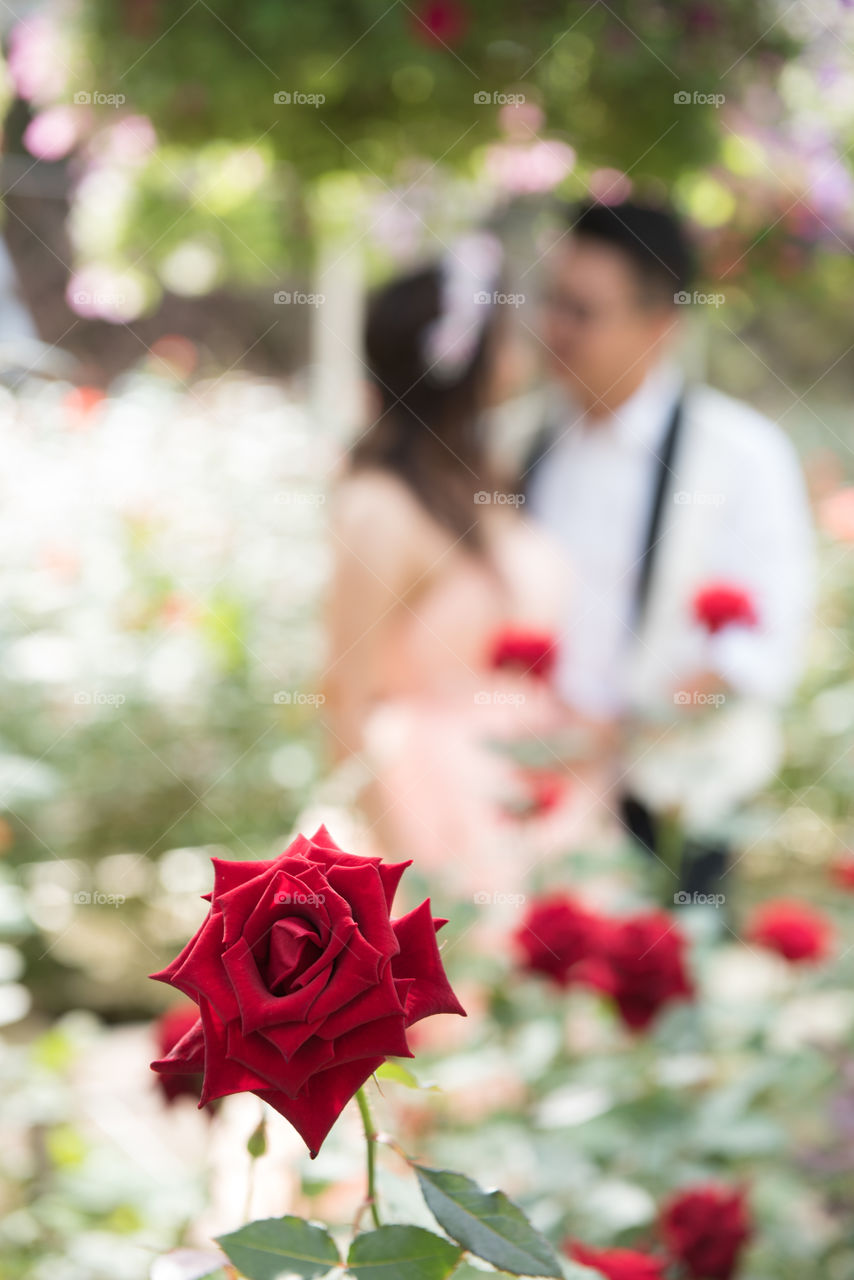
pixel 433 561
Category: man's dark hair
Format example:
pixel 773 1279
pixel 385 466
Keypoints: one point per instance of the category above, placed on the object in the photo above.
pixel 652 238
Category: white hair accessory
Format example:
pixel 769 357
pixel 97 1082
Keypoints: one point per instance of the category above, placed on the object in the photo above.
pixel 468 275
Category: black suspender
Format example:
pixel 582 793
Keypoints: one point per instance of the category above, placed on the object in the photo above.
pixel 664 459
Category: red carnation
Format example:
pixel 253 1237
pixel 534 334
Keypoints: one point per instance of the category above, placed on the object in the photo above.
pixel 793 929
pixel 304 982
pixel 169 1028
pixel 556 934
pixel 618 1264
pixel 720 604
pixel 706 1228
pixel 442 22
pixel 641 963
pixel 532 653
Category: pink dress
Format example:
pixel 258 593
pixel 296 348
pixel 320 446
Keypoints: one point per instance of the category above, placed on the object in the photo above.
pixel 443 792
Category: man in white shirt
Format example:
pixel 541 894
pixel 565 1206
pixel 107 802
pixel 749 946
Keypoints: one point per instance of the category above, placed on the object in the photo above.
pixel 657 488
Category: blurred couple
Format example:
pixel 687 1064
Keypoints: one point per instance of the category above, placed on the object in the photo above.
pixel 527 646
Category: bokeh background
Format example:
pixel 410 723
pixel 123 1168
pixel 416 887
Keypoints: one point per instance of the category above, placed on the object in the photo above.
pixel 195 198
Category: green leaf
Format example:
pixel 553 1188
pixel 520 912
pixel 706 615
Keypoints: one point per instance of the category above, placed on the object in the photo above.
pixel 274 1247
pixel 487 1224
pixel 397 1072
pixel 402 1253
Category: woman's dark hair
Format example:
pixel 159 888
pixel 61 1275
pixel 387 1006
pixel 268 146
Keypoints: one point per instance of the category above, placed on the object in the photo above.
pixel 427 431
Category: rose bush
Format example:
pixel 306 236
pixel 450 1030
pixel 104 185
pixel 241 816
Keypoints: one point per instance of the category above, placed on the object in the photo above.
pixel 556 935
pixel 618 1264
pixel 303 981
pixel 706 1228
pixel 793 929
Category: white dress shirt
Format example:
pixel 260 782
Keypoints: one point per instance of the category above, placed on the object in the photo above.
pixel 735 511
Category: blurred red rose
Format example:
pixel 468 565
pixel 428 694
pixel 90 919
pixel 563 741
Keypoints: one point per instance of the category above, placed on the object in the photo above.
pixel 794 930
pixel 640 961
pixel 169 1028
pixel 544 792
pixel 440 22
pixel 532 653
pixel 304 982
pixel 843 871
pixel 618 1264
pixel 556 934
pixel 720 604
pixel 706 1228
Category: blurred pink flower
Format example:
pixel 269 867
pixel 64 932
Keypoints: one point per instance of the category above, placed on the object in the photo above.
pixel 529 169
pixel 836 515
pixel 52 133
pixel 521 119
pixel 36 60
pixel 128 141
pixel 610 186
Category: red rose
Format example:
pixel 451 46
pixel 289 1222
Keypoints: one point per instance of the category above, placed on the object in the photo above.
pixel 640 962
pixel 556 934
pixel 544 792
pixel 706 1228
pixel 720 604
pixel 304 982
pixel 794 930
pixel 843 871
pixel 618 1264
pixel 169 1028
pixel 440 22
pixel 532 653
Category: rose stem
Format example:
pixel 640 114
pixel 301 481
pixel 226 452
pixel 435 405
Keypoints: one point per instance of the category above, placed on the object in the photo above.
pixel 370 1139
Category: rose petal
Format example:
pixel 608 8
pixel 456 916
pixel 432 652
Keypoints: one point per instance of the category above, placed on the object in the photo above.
pixel 202 973
pixel 320 1103
pixel 419 959
pixel 362 889
pixel 256 1006
pixel 187 1056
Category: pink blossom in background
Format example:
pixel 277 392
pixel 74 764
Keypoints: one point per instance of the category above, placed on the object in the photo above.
pixel 37 60
pixel 52 133
pixel 836 514
pixel 610 186
pixel 129 141
pixel 524 170
pixel 521 119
